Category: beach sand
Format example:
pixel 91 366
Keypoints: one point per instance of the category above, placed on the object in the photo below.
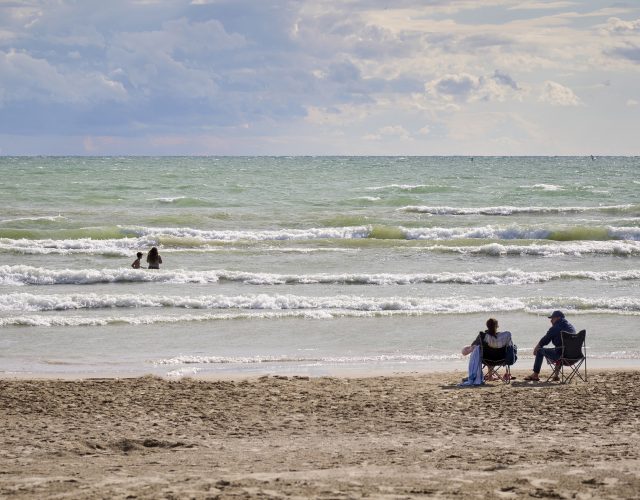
pixel 383 437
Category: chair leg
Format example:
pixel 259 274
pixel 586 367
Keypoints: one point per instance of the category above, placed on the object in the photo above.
pixel 556 372
pixel 574 370
pixel 506 378
pixel 491 373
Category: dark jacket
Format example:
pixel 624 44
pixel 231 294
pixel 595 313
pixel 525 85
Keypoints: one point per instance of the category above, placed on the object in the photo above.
pixel 553 334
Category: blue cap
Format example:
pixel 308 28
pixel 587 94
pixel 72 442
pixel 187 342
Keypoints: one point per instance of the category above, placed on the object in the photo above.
pixel 556 314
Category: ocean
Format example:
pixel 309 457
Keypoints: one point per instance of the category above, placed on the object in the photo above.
pixel 310 265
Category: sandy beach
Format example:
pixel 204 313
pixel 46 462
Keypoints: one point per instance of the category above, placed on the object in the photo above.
pixel 401 436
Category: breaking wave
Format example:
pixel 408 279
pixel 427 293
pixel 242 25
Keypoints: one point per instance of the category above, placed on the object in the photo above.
pixel 325 307
pixel 193 239
pixel 411 188
pixel 619 248
pixel 186 359
pixel 28 275
pixel 511 210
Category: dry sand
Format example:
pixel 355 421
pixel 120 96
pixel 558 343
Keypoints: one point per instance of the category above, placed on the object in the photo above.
pixel 381 437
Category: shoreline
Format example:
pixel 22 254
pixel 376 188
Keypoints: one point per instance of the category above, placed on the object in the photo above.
pixel 258 370
pixel 407 435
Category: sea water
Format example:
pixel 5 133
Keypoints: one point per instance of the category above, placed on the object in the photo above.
pixel 310 265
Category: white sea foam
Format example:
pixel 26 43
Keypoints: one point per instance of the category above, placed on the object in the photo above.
pixel 624 243
pixel 145 237
pixel 401 187
pixel 169 199
pixel 49 218
pixel 482 232
pixel 544 187
pixel 28 275
pixel 127 247
pixel 576 248
pixel 112 247
pixel 183 372
pixel 516 232
pixel 38 320
pixel 189 359
pixel 190 238
pixel 511 210
pixel 333 305
pixel 258 235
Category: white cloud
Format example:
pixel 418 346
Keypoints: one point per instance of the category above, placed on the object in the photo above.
pixel 544 5
pixel 617 26
pixel 558 95
pixel 337 115
pixel 389 132
pixel 28 78
pixel 465 87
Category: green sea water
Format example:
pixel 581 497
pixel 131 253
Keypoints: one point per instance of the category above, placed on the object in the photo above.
pixel 310 264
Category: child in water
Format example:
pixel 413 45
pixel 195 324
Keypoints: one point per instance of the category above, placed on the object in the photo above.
pixel 136 263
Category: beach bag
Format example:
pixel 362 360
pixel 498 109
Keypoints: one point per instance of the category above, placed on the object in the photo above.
pixel 511 354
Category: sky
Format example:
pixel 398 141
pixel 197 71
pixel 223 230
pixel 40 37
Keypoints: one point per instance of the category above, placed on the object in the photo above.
pixel 319 77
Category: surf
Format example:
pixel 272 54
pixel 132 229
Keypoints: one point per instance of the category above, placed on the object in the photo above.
pixel 29 275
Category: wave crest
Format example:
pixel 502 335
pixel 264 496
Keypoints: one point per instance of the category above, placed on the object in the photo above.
pixel 27 275
pixel 333 305
pixel 511 210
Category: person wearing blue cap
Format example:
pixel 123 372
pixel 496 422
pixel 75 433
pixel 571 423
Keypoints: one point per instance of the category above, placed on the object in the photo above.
pixel 558 324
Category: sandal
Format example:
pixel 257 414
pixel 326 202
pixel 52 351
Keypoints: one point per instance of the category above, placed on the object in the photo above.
pixel 532 378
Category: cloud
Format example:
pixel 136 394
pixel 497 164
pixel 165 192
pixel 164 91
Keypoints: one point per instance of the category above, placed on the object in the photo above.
pixel 269 74
pixel 505 79
pixel 27 78
pixel 623 39
pixel 616 26
pixel 558 95
pixel 544 5
pixel 464 87
pixel 389 131
pixel 456 87
pixel 340 115
pixel 630 52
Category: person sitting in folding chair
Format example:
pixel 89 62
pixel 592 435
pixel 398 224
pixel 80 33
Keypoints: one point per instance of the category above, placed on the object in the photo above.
pixel 559 324
pixel 491 353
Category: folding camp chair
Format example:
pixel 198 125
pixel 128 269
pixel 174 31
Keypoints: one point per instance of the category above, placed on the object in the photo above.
pixel 573 357
pixel 498 361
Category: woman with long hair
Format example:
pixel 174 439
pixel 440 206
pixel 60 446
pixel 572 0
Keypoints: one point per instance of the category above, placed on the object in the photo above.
pixel 153 259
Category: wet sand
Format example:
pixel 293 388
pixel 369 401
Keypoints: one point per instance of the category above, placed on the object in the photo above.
pixel 381 437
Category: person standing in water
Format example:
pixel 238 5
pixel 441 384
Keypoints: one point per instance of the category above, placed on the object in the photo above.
pixel 153 259
pixel 136 263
